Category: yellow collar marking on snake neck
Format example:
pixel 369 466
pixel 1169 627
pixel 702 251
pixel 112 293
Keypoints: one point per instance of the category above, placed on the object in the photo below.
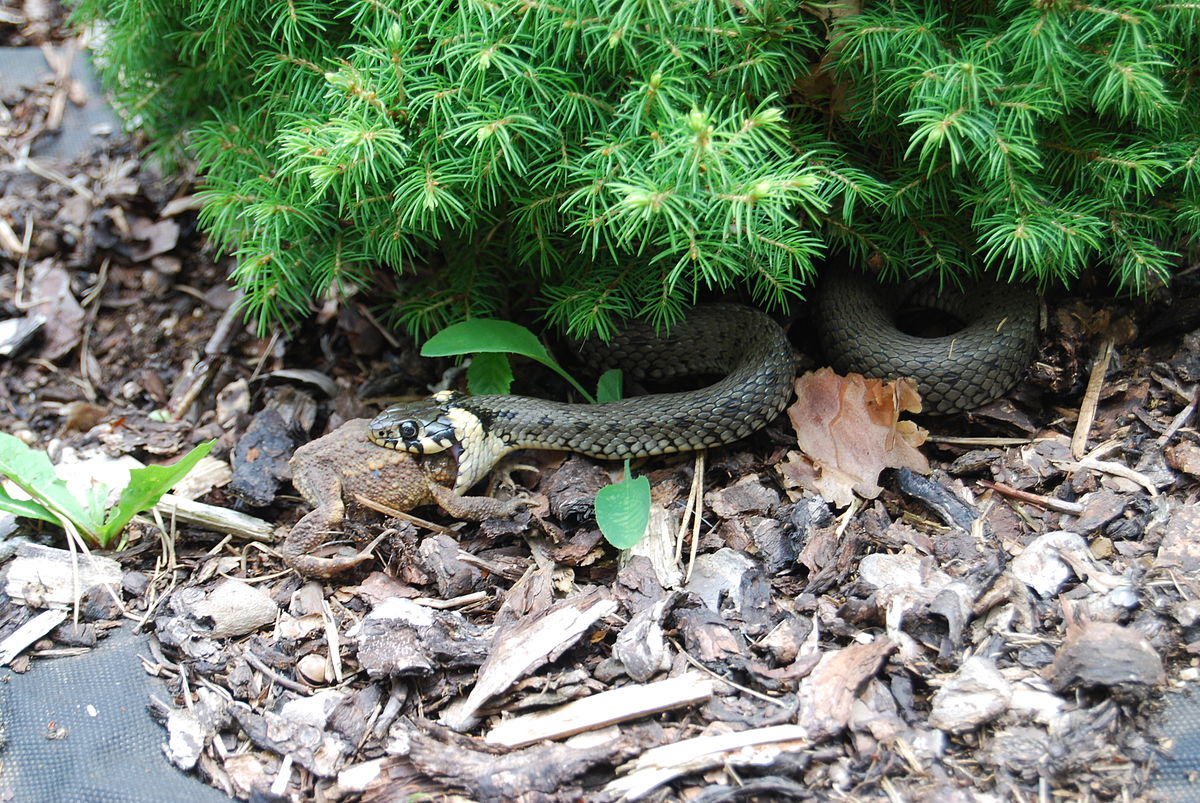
pixel 480 449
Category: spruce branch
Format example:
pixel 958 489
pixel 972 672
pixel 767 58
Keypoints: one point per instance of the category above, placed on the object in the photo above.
pixel 597 160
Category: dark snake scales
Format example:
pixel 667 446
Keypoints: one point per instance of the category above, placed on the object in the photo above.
pixel 963 370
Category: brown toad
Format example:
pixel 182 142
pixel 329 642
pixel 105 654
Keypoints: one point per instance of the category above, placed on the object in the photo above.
pixel 335 468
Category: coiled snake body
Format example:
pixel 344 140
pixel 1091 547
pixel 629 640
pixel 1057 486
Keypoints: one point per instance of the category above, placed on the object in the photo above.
pixel 958 371
pixel 753 353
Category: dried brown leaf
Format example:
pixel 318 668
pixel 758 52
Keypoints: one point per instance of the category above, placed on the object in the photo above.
pixel 848 430
pixel 52 298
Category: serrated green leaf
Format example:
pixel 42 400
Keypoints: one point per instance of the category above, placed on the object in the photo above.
pixel 610 385
pixel 489 372
pixel 146 486
pixel 623 510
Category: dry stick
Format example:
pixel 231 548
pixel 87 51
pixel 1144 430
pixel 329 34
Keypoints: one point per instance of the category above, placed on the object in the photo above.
pixel 685 519
pixel 387 510
pixel 9 241
pixel 258 663
pixel 744 689
pixel 1182 418
pixel 954 440
pixel 1110 467
pixel 699 481
pixel 473 598
pixel 60 62
pixel 187 388
pixel 1091 399
pixel 695 489
pixel 1047 502
pixel 333 641
pixel 21 161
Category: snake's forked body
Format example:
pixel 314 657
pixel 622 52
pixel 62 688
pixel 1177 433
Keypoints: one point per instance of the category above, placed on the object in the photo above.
pixel 742 343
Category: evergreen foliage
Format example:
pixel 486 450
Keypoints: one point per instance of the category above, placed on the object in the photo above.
pixel 614 157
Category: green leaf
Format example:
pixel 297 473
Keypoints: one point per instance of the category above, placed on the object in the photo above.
pixel 610 386
pixel 146 486
pixel 485 335
pixel 25 507
pixel 488 335
pixel 623 510
pixel 489 372
pixel 31 471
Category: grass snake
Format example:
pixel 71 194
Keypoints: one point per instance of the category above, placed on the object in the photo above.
pixel 961 370
pixel 752 353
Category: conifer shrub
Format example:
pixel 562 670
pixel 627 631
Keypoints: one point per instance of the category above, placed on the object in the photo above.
pixel 600 158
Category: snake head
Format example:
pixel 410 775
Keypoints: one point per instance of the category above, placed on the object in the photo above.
pixel 422 427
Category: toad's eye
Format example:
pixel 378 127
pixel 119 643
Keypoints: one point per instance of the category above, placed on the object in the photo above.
pixel 409 429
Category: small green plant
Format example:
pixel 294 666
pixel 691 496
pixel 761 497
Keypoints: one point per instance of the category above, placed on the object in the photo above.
pixel 490 341
pixel 51 500
pixel 623 508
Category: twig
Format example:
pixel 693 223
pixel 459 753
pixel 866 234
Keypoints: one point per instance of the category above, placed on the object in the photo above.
pixel 1110 467
pixel 1091 399
pixel 257 663
pixel 1181 418
pixel 727 681
pixel 952 440
pixel 698 482
pixel 1182 393
pixel 333 641
pixel 386 510
pixel 688 508
pixel 22 161
pixel 454 602
pixel 1047 502
pixel 187 388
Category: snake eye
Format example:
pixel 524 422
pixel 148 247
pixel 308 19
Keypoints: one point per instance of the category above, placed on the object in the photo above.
pixel 409 430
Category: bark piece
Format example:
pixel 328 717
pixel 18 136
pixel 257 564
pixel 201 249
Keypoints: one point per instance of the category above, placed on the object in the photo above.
pixel 707 636
pixel 746 496
pixel 1180 547
pixel 571 490
pixel 533 773
pixel 401 638
pixel 42 575
pixel 231 608
pixel 319 752
pixel 260 459
pixel 439 558
pixel 661 765
pixel 731 581
pixel 1052 558
pixel 641 647
pixel 599 710
pixel 51 298
pixel 1107 654
pixel 522 648
pixel 827 694
pixel 975 694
